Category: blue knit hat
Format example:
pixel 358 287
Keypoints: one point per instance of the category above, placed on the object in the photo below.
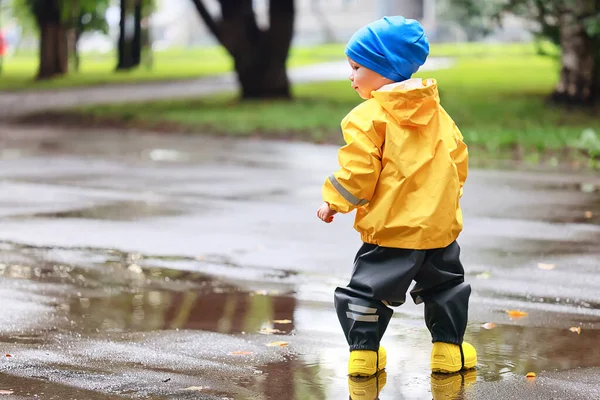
pixel 394 47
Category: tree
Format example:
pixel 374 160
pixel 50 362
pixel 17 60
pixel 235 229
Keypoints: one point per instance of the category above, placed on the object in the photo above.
pixel 131 32
pixel 56 22
pixel 259 54
pixel 53 37
pixel 573 25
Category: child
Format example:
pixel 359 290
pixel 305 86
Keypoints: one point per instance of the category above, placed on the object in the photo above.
pixel 403 169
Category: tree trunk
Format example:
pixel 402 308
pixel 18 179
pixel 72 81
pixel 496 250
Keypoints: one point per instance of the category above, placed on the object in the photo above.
pixel 130 35
pixel 259 56
pixel 578 83
pixel 54 54
pixel 136 43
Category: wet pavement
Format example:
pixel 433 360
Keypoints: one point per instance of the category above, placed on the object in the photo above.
pixel 163 266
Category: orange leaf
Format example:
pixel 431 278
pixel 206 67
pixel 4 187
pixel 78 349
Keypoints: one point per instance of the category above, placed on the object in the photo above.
pixel 276 344
pixel 531 375
pixel 241 353
pixel 516 313
pixel 8 355
pixel 588 214
pixel 489 325
pixel 576 329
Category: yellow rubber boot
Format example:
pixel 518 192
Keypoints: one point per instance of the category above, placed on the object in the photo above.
pixel 366 388
pixel 451 386
pixel 446 357
pixel 366 362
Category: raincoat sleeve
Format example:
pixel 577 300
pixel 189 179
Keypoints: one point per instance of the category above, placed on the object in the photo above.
pixel 354 183
pixel 461 158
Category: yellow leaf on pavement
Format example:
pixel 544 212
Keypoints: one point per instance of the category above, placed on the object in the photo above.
pixel 546 267
pixel 488 325
pixel 282 321
pixel 241 353
pixel 277 344
pixel 531 375
pixel 516 313
pixel 269 331
pixel 576 329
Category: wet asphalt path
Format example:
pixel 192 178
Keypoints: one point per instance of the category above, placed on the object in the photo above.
pixel 148 266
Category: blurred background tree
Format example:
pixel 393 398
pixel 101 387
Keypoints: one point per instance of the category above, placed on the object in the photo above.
pixel 133 33
pixel 60 24
pixel 259 54
pixel 573 25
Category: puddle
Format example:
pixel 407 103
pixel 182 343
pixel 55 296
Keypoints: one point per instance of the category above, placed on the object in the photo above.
pixel 117 211
pixel 106 292
pixel 13 387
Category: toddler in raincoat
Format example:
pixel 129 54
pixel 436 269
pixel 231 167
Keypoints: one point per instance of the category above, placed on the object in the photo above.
pixel 402 169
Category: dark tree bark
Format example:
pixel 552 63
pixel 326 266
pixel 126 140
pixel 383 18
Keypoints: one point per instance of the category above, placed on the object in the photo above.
pixel 259 55
pixel 54 55
pixel 136 43
pixel 130 43
pixel 123 58
pixel 579 77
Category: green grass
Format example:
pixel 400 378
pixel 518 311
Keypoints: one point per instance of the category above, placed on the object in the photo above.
pixel 499 102
pixel 96 69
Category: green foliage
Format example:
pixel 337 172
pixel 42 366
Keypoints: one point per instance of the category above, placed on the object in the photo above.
pixel 589 141
pixel 87 15
pixel 546 13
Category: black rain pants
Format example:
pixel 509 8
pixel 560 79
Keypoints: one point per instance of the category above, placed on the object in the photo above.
pixel 381 278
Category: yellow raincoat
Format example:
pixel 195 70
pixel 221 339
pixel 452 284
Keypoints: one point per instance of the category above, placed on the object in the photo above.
pixel 403 168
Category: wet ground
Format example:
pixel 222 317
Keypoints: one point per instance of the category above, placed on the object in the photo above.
pixel 144 266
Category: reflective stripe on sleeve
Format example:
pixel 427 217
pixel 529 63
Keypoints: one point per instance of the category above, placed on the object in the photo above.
pixel 350 198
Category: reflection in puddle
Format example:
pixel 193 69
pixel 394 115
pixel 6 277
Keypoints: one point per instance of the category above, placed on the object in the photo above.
pixel 112 292
pixel 117 211
pixel 223 311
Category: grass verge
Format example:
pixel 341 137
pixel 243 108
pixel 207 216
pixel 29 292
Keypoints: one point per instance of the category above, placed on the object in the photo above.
pixel 498 101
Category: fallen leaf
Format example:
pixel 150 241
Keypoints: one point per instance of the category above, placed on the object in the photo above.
pixel 269 331
pixel 195 388
pixel 282 321
pixel 167 380
pixel 530 375
pixel 241 353
pixel 488 325
pixel 483 275
pixel 277 344
pixel 6 391
pixel 546 267
pixel 8 355
pixel 576 329
pixel 588 214
pixel 516 313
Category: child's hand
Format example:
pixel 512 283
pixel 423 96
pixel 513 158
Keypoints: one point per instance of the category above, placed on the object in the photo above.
pixel 325 213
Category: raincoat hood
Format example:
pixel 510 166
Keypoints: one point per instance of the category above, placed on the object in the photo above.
pixel 412 102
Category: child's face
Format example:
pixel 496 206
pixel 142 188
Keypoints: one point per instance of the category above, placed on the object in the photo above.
pixel 364 80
